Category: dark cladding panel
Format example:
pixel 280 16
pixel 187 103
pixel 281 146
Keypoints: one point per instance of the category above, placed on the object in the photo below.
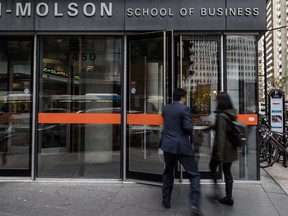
pixel 132 15
pixel 16 15
pixel 171 14
pixel 69 15
pixel 251 15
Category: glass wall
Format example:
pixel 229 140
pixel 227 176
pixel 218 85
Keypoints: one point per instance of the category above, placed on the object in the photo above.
pixel 199 72
pixel 198 65
pixel 241 61
pixel 80 76
pixel 15 104
pixel 80 103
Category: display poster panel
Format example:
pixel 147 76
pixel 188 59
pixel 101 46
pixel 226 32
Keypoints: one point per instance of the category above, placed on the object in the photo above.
pixel 277 117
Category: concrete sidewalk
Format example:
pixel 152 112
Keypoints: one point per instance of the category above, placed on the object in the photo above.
pixel 38 198
pixel 280 175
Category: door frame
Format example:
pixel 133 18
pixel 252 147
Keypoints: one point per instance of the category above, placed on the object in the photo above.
pixel 19 172
pixel 180 173
pixel 167 57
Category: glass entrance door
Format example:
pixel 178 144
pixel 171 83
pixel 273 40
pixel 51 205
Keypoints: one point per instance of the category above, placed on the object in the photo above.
pixel 148 84
pixel 15 105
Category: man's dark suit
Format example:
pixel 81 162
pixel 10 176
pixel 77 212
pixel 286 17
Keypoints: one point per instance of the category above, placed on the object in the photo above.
pixel 175 143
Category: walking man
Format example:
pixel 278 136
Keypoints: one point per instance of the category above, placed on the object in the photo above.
pixel 175 143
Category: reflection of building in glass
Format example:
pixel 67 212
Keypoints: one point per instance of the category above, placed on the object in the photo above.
pixel 242 72
pixel 201 55
pixel 200 65
pixel 241 59
pixel 261 75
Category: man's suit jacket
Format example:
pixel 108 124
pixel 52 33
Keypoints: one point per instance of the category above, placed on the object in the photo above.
pixel 177 129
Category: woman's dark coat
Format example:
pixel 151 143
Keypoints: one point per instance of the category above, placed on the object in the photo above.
pixel 223 148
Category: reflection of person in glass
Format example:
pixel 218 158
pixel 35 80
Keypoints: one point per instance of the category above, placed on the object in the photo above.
pixel 175 143
pixel 5 133
pixel 151 109
pixel 198 138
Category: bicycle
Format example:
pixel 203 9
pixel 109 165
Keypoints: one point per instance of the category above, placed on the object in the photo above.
pixel 264 129
pixel 273 146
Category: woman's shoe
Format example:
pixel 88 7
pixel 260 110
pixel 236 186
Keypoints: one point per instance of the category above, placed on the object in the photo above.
pixel 227 201
pixel 166 204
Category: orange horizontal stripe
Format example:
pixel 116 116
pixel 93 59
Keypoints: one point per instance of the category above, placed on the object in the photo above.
pixel 99 118
pixel 115 118
pixel 79 118
pixel 248 119
pixel 145 119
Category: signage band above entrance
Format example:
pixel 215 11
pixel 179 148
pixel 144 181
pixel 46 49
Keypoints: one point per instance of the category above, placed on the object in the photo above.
pixel 130 15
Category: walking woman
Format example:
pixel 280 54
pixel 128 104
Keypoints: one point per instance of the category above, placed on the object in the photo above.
pixel 223 152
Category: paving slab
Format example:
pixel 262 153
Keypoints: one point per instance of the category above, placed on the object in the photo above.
pixel 279 174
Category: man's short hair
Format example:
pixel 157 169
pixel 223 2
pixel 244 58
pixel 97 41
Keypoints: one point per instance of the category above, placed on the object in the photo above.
pixel 178 93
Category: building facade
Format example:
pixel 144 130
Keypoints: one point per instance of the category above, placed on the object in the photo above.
pixel 276 45
pixel 83 83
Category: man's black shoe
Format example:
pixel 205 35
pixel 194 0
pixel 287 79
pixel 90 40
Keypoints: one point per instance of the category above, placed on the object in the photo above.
pixel 194 211
pixel 227 201
pixel 166 204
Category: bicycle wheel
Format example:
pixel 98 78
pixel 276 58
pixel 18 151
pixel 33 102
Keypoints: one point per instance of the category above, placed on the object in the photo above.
pixel 268 154
pixel 263 148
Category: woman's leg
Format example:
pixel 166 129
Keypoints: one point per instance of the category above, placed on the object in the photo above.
pixel 228 179
pixel 228 199
pixel 213 169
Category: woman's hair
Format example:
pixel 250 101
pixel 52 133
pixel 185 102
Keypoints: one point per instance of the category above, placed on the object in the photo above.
pixel 223 101
pixel 178 93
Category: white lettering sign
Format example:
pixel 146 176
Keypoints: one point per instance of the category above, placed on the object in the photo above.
pixel 45 9
pixel 102 9
pixel 146 12
pixel 107 10
pixel 89 7
pixel 162 12
pixel 56 9
pixel 20 11
pixel 42 9
pixel 229 11
pixel 72 9
pixel 184 11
